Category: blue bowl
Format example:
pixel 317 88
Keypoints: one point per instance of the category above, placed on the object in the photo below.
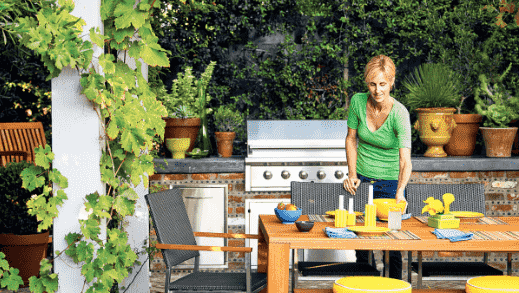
pixel 287 217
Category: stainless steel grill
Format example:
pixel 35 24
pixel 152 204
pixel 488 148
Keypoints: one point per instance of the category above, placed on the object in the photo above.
pixel 281 151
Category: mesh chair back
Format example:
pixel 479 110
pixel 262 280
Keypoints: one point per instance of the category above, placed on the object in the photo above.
pixel 171 224
pixel 469 197
pixel 318 198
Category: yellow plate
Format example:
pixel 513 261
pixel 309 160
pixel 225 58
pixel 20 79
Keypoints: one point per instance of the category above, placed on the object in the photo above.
pixel 363 230
pixel 332 213
pixel 463 214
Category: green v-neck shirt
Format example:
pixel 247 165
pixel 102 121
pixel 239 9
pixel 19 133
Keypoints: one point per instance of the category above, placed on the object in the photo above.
pixel 378 152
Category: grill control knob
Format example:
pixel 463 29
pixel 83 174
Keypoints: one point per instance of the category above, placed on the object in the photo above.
pixel 285 174
pixel 321 174
pixel 339 174
pixel 303 175
pixel 267 175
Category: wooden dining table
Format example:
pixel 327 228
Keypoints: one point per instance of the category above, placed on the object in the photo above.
pixel 277 239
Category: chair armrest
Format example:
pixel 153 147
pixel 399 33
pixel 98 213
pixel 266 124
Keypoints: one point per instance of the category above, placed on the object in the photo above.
pixel 225 235
pixel 204 248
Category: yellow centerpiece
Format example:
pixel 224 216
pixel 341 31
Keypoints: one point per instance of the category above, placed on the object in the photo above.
pixel 440 216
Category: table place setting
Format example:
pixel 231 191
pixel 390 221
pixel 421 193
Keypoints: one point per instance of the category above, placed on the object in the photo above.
pixel 480 220
pixel 346 233
pixel 330 217
pixel 452 234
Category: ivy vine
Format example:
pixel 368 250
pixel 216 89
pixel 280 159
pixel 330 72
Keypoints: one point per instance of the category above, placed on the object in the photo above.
pixel 131 119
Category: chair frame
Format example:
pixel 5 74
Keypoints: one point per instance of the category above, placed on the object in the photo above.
pixel 196 268
pixel 415 207
pixel 320 207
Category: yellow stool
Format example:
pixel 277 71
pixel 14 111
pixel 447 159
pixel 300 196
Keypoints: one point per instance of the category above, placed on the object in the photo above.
pixel 370 284
pixel 492 284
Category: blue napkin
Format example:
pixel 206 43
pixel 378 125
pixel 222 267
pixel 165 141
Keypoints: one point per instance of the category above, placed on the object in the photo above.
pixel 406 216
pixel 452 234
pixel 339 233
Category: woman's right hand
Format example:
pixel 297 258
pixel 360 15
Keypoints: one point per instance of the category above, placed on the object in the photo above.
pixel 351 184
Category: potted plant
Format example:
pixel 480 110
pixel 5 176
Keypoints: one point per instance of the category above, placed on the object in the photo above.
pixel 226 120
pixel 499 108
pixel 463 138
pixel 433 94
pixel 24 247
pixel 189 93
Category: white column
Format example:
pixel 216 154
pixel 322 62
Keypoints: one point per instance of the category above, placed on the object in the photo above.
pixel 76 131
pixel 138 226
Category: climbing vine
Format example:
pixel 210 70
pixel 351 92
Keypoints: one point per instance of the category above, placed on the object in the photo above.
pixel 131 118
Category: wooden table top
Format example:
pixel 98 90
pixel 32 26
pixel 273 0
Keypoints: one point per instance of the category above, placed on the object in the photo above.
pixel 276 232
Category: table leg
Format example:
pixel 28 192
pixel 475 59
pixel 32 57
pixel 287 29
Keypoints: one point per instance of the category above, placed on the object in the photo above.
pixel 262 252
pixel 386 264
pixel 278 268
pixel 509 264
pixel 419 282
pixel 409 266
pixel 295 272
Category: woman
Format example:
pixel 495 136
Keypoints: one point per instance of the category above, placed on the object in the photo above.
pixel 383 153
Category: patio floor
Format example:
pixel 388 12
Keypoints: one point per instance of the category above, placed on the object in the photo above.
pixel 157 283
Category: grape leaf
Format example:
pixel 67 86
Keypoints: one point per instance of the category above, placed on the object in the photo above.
pixel 11 280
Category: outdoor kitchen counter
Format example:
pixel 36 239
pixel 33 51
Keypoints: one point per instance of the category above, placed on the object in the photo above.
pixel 236 164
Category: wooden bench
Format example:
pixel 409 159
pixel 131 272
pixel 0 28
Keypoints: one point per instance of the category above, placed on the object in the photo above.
pixel 18 141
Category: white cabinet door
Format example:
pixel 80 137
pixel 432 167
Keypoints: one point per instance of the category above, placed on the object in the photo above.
pixel 254 208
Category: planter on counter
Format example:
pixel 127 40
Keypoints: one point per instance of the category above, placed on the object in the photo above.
pixel 463 138
pixel 498 141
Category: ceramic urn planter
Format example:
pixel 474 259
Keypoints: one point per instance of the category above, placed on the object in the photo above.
pixel 435 126
pixel 463 138
pixel 498 141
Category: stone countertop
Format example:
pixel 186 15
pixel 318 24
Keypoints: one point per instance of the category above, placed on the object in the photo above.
pixel 236 164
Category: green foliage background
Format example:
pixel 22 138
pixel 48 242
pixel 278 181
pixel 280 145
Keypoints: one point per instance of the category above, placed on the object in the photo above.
pixel 302 76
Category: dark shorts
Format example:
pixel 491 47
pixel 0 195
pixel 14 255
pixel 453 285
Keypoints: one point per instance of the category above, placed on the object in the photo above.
pixel 381 188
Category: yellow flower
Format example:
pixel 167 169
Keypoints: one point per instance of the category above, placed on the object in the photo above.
pixel 433 207
pixel 448 198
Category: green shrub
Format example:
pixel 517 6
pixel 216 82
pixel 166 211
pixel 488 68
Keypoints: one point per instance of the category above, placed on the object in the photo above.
pixel 14 217
pixel 432 85
pixel 227 119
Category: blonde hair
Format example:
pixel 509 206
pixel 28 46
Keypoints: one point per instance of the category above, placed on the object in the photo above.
pixel 377 64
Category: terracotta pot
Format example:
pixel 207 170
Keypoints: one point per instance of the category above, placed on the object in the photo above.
pixel 25 252
pixel 463 138
pixel 182 128
pixel 498 141
pixel 224 142
pixel 515 147
pixel 435 126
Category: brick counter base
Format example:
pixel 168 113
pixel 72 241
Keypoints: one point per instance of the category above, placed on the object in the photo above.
pixel 501 199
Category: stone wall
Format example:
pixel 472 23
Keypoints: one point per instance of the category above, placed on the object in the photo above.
pixel 501 199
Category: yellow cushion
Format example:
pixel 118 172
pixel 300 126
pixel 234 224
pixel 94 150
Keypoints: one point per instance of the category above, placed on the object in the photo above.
pixel 370 284
pixel 492 284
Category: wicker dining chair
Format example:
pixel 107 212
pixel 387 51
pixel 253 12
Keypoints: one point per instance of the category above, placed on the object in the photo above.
pixel 317 199
pixel 177 241
pixel 469 197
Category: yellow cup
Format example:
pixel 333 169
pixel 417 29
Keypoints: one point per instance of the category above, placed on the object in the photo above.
pixel 341 218
pixel 370 215
pixel 352 219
